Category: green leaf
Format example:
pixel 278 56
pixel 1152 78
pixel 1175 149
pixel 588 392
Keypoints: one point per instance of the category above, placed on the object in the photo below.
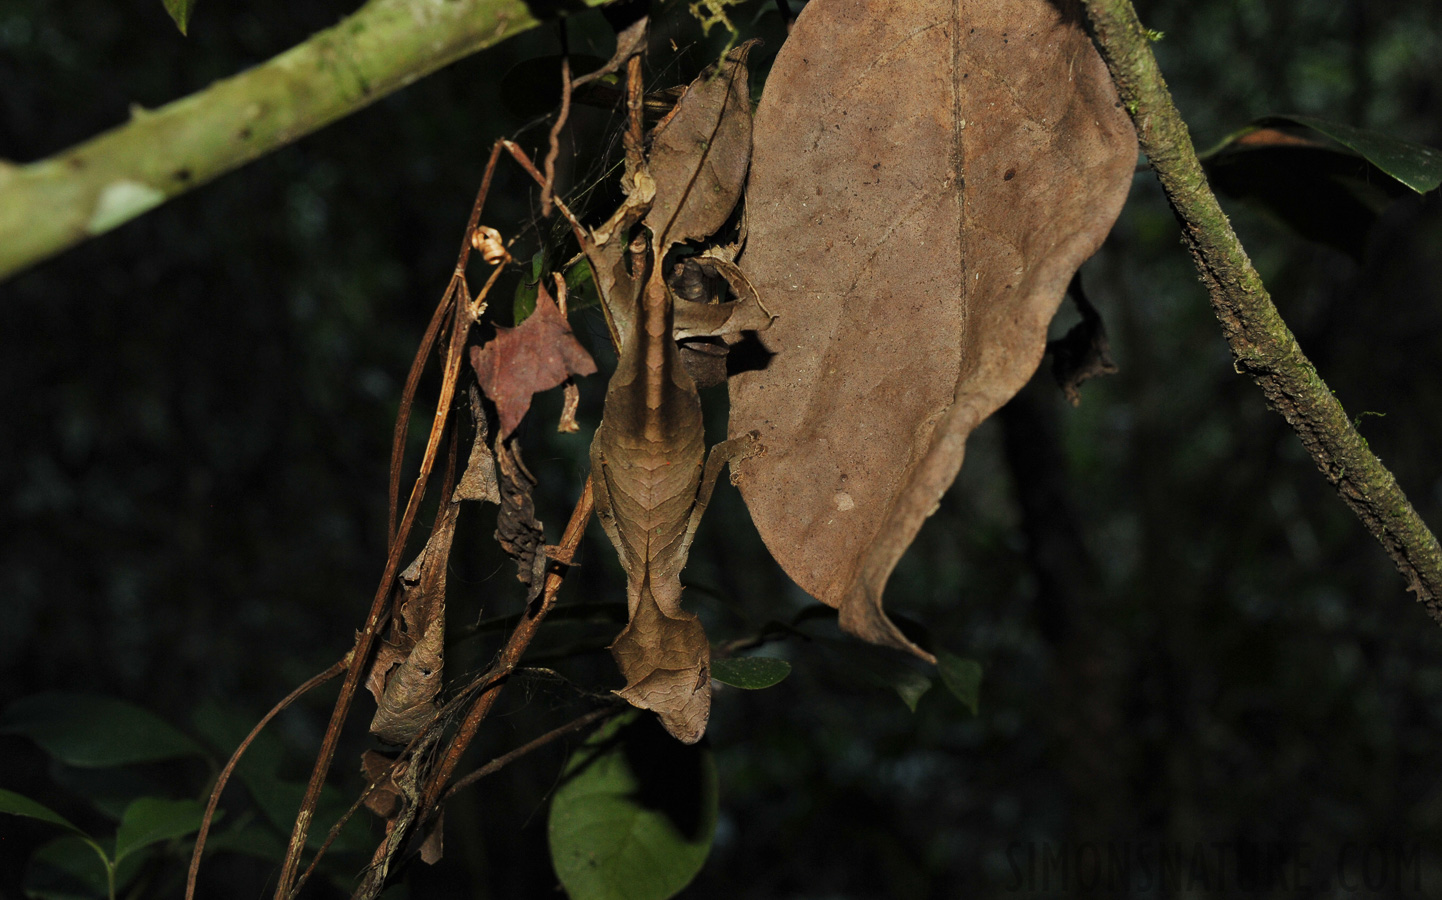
pixel 751 673
pixel 881 667
pixel 524 302
pixel 110 791
pixel 19 805
pixel 92 731
pixel 279 800
pixel 67 869
pixel 962 677
pixel 910 685
pixel 581 292
pixel 224 727
pixel 635 815
pixel 1415 165
pixel 180 11
pixel 254 839
pixel 1326 181
pixel 151 820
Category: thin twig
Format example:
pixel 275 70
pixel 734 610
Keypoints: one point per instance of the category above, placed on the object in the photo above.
pixel 506 759
pixel 1263 347
pixel 464 310
pixel 511 654
pixel 407 755
pixel 548 186
pixel 235 757
pixel 413 378
pixel 635 108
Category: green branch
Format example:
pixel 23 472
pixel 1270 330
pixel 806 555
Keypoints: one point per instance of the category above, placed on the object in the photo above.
pixel 51 205
pixel 1262 345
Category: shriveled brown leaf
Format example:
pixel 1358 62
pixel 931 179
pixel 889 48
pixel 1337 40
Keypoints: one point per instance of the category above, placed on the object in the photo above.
pixel 384 799
pixel 699 155
pixel 406 674
pixel 478 481
pixel 921 190
pixel 518 531
pixel 569 407
pixel 1084 352
pixel 535 356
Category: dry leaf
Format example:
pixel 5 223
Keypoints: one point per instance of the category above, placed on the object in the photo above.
pixel 569 407
pixel 1084 352
pixel 699 155
pixel 406 674
pixel 922 188
pixel 478 482
pixel 535 356
pixel 518 531
pixel 385 798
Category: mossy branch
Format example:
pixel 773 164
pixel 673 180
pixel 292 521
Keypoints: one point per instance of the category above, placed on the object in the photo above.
pixel 53 204
pixel 1263 347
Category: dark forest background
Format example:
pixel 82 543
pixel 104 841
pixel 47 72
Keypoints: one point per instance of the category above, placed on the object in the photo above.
pixel 1186 636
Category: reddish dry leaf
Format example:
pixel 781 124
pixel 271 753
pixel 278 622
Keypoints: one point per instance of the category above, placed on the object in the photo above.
pixel 535 356
pixel 926 178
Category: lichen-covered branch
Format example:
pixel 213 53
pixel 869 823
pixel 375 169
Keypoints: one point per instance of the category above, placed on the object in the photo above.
pixel 50 205
pixel 1262 345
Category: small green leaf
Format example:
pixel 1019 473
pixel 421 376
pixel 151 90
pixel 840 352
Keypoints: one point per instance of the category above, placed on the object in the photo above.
pixel 524 302
pixel 180 11
pixel 962 677
pixel 92 731
pixel 151 820
pixel 1415 165
pixel 884 668
pixel 910 685
pixel 581 290
pixel 635 815
pixel 19 805
pixel 751 673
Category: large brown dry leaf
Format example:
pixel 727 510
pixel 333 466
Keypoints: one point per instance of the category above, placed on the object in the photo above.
pixel 535 356
pixel 926 177
pixel 699 155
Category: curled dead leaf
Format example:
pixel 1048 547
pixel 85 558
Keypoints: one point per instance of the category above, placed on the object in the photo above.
pixel 407 672
pixel 518 531
pixel 924 183
pixel 478 481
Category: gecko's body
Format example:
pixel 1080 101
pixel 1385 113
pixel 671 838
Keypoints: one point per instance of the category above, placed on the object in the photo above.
pixel 651 488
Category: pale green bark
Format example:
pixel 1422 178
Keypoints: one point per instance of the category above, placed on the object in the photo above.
pixel 53 204
pixel 1263 347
